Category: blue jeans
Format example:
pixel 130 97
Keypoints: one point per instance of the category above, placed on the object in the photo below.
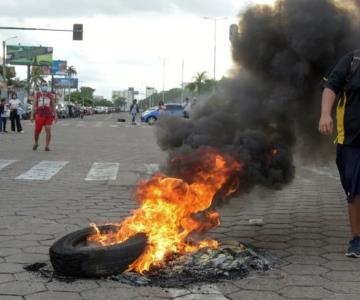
pixel 2 124
pixel 133 118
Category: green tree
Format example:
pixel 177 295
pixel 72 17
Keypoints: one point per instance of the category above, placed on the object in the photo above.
pixel 10 75
pixel 87 92
pixel 70 71
pixel 120 102
pixel 17 83
pixel 199 81
pixel 104 102
pixel 84 96
pixel 36 78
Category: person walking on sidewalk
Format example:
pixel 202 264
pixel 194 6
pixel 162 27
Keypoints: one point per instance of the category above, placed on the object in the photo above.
pixel 342 85
pixel 45 114
pixel 15 103
pixel 134 110
pixel 3 115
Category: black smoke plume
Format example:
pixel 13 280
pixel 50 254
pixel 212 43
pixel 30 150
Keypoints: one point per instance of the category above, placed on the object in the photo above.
pixel 270 107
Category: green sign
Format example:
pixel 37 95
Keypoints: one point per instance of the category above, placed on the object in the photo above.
pixel 29 55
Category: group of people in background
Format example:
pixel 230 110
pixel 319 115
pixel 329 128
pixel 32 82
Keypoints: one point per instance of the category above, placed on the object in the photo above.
pixel 12 111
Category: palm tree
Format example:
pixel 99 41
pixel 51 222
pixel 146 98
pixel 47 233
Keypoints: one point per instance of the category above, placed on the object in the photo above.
pixel 70 71
pixel 199 80
pixel 36 78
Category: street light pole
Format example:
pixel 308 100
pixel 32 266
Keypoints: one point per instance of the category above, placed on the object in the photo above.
pixel 4 65
pixel 4 70
pixel 215 19
pixel 163 83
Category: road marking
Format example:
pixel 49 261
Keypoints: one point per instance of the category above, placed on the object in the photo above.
pixel 103 171
pixel 98 124
pixel 80 124
pixel 4 163
pixel 44 170
pixel 108 118
pixel 65 124
pixel 151 168
pixel 114 126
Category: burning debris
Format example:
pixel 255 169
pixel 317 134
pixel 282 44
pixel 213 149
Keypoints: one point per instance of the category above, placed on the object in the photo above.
pixel 231 260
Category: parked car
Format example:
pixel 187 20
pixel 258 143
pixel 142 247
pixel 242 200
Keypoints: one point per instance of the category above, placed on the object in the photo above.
pixel 62 111
pixel 151 115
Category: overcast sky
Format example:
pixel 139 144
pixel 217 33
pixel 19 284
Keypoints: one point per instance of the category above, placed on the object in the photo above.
pixel 128 42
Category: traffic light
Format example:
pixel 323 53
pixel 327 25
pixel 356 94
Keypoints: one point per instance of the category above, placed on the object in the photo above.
pixel 78 32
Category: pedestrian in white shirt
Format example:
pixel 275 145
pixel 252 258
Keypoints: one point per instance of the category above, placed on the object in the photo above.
pixel 15 103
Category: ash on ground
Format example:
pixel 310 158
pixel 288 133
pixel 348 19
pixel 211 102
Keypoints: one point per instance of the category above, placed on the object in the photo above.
pixel 231 260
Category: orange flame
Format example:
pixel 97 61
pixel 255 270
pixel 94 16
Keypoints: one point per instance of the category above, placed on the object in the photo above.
pixel 168 208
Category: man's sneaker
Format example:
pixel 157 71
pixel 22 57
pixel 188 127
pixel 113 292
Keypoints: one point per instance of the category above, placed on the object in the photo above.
pixel 35 147
pixel 354 248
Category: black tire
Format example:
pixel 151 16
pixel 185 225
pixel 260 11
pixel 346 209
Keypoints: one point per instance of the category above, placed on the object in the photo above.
pixel 71 257
pixel 151 120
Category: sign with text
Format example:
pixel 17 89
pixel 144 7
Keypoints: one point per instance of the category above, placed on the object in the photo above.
pixel 43 70
pixel 59 67
pixel 29 55
pixel 65 82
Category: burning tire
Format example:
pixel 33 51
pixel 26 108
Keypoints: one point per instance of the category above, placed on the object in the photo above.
pixel 72 256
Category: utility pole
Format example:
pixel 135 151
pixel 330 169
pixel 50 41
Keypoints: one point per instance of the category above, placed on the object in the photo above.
pixel 4 66
pixel 182 81
pixel 163 83
pixel 215 19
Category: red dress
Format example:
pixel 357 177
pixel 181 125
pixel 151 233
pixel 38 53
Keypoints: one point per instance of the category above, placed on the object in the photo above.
pixel 44 111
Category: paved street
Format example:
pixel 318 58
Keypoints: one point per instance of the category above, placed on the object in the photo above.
pixel 89 177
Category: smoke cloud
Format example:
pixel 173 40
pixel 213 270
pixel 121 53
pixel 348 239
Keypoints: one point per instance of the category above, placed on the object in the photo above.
pixel 270 107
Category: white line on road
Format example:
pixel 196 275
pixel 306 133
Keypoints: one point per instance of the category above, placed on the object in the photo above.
pixel 151 168
pixel 4 163
pixel 103 171
pixel 98 124
pixel 114 126
pixel 65 124
pixel 80 124
pixel 44 170
pixel 108 118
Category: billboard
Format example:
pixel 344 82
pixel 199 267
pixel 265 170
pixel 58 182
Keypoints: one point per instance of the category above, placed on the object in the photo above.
pixel 65 82
pixel 44 70
pixel 59 67
pixel 29 55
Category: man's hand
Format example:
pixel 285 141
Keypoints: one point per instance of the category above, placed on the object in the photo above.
pixel 326 125
pixel 55 118
pixel 32 119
